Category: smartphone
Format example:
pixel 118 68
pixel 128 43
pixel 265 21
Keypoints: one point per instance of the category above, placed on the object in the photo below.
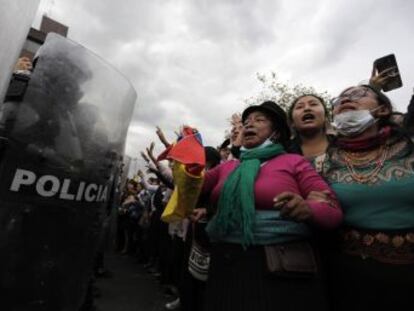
pixel 385 63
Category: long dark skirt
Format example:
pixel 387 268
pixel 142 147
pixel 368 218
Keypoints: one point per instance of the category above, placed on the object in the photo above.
pixel 238 280
pixel 177 257
pixel 192 290
pixel 165 254
pixel 366 284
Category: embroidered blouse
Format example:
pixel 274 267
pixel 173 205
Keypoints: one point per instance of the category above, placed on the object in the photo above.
pixel 386 200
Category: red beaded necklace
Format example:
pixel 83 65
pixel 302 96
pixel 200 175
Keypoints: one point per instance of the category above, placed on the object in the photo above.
pixel 352 159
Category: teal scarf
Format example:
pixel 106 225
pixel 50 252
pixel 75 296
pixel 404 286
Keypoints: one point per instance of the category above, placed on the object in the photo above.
pixel 236 205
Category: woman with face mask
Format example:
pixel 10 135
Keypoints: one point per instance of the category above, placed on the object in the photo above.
pixel 261 253
pixel 370 168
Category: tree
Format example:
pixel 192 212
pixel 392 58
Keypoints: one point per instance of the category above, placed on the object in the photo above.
pixel 281 92
pixel 278 91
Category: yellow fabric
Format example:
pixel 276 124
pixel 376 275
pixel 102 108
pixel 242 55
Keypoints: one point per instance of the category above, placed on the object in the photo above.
pixel 185 195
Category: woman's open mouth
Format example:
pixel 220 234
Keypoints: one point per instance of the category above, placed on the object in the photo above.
pixel 249 134
pixel 308 118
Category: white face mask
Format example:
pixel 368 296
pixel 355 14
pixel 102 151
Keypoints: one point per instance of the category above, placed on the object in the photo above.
pixel 266 143
pixel 353 122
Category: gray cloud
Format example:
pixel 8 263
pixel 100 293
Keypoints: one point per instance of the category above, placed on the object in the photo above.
pixel 195 61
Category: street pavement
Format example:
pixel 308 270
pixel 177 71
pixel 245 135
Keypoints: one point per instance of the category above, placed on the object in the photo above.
pixel 130 288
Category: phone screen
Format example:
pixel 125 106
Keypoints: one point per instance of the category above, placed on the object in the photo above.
pixel 384 63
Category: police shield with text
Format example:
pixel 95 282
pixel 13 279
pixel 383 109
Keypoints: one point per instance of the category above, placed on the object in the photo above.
pixel 62 133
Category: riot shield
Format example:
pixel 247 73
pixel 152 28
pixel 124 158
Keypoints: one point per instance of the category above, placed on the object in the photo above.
pixel 64 140
pixel 15 19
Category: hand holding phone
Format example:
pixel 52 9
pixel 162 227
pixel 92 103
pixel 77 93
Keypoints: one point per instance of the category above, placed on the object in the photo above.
pixel 385 73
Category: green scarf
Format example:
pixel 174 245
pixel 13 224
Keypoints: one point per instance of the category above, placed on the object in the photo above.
pixel 236 205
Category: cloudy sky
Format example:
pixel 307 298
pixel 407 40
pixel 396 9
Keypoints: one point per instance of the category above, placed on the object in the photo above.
pixel 195 61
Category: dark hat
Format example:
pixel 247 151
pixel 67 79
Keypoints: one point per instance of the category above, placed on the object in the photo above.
pixel 225 144
pixel 212 156
pixel 277 114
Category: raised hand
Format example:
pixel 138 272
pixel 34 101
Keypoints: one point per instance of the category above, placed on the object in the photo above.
pixel 150 153
pixel 144 156
pixel 236 119
pixel 23 63
pixel 380 79
pixel 161 137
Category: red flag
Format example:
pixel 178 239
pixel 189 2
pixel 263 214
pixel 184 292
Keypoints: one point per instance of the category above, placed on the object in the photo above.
pixel 164 154
pixel 188 151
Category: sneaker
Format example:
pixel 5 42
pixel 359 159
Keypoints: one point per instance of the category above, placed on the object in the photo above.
pixel 173 305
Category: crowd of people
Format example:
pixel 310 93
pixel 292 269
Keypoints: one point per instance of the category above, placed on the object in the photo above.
pixel 308 208
pixel 304 209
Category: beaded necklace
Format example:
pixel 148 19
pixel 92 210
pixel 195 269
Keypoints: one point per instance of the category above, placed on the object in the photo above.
pixel 353 159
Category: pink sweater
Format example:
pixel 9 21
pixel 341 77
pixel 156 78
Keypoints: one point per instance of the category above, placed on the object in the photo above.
pixel 287 172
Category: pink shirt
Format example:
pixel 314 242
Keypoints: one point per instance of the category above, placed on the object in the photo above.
pixel 284 173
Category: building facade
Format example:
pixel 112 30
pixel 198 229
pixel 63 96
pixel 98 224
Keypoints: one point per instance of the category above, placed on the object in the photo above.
pixel 36 37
